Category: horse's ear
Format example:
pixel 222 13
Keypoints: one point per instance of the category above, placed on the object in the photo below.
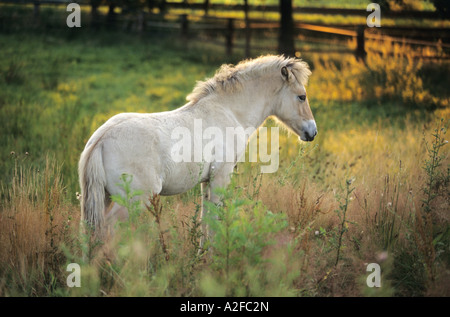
pixel 285 73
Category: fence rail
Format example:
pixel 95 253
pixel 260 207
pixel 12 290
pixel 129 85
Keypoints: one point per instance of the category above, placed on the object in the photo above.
pixel 301 9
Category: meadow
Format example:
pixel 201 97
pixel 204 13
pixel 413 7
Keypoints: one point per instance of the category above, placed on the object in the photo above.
pixel 372 188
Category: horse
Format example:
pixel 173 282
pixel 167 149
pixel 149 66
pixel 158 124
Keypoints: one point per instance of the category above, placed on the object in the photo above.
pixel 141 144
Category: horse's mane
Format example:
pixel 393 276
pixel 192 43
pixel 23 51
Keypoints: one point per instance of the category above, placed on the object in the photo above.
pixel 229 78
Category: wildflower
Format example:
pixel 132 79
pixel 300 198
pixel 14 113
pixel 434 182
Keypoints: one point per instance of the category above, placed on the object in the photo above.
pixel 350 181
pixel 316 232
pixel 12 153
pixel 382 256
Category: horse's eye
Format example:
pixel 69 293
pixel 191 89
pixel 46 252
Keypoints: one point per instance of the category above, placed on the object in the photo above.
pixel 302 97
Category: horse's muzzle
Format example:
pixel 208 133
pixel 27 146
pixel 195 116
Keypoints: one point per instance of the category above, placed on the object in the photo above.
pixel 309 131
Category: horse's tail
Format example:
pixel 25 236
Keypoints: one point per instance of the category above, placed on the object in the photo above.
pixel 92 182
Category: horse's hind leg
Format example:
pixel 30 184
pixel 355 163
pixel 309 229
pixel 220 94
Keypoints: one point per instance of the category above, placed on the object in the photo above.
pixel 117 212
pixel 113 213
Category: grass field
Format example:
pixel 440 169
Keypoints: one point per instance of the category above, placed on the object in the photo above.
pixel 372 188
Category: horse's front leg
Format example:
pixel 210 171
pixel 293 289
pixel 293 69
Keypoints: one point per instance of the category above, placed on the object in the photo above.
pixel 221 179
pixel 206 193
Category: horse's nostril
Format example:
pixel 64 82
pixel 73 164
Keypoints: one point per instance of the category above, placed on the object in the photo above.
pixel 310 137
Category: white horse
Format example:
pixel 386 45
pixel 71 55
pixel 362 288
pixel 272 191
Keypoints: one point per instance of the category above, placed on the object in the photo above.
pixel 140 145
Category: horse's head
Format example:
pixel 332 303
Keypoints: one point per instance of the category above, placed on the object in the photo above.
pixel 293 109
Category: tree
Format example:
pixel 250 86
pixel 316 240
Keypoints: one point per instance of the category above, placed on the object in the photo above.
pixel 442 7
pixel 95 18
pixel 247 29
pixel 286 36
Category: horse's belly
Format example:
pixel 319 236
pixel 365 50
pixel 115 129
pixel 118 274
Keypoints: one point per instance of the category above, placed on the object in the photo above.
pixel 174 191
pixel 183 177
pixel 177 188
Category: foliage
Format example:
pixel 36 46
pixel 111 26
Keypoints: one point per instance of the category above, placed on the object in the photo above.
pixel 242 230
pixel 342 213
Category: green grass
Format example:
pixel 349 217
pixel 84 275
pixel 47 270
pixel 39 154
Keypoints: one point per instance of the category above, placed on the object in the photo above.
pixel 57 93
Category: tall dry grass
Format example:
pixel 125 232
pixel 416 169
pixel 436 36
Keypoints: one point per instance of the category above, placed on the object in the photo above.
pixel 386 219
pixel 35 219
pixel 391 72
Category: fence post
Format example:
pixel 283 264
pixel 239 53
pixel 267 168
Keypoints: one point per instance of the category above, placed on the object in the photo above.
pixel 162 7
pixel 206 7
pixel 229 34
pixel 36 10
pixel 360 43
pixel 184 26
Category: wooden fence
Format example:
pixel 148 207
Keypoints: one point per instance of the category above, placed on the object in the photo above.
pixel 207 6
pixel 225 29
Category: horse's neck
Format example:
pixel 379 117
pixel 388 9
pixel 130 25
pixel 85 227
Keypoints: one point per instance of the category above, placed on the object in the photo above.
pixel 251 106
